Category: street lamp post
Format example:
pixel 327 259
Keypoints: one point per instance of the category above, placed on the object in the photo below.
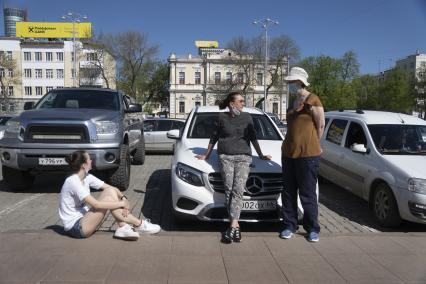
pixel 265 23
pixel 74 18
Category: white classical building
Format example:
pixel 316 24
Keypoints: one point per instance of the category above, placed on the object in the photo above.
pixel 45 65
pixel 205 79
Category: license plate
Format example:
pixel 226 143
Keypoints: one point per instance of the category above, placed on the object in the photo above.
pixel 259 205
pixel 52 161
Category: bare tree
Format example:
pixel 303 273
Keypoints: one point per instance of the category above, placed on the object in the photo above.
pixel 132 50
pixel 100 64
pixel 8 76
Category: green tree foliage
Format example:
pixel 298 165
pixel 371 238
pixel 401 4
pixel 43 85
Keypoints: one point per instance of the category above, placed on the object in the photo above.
pixel 366 88
pixel 331 78
pixel 395 92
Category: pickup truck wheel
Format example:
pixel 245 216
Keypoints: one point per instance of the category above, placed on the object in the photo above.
pixel 139 156
pixel 385 208
pixel 120 177
pixel 16 179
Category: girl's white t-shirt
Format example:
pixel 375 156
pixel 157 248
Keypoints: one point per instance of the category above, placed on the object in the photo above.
pixel 72 206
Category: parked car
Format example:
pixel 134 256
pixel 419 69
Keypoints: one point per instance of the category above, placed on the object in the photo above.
pixel 155 132
pixel 197 186
pixel 281 125
pixel 100 121
pixel 381 157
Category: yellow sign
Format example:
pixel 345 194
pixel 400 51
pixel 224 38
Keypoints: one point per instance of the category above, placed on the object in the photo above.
pixel 206 43
pixel 53 30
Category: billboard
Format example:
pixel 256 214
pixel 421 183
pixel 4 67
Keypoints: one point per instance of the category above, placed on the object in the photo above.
pixel 206 43
pixel 53 30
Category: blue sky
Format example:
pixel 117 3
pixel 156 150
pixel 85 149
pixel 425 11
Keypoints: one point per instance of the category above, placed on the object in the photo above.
pixel 378 31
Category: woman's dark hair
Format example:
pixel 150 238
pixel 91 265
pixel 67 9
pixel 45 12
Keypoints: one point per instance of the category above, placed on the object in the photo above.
pixel 229 98
pixel 76 159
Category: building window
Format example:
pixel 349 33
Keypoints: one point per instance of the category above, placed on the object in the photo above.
pixel 3 90
pixel 72 56
pixel 197 104
pixel 259 79
pixel 27 56
pixel 49 56
pixel 10 91
pixel 228 77
pixel 10 71
pixel 27 73
pixel 92 56
pixel 49 88
pixel 59 73
pixel 198 78
pixel 39 91
pixel 9 55
pixel 181 107
pixel 217 77
pixel 49 73
pixel 240 78
pixel 12 107
pixel 38 56
pixel 1 72
pixel 39 73
pixel 181 78
pixel 28 91
pixel 59 56
pixel 72 73
pixel 275 108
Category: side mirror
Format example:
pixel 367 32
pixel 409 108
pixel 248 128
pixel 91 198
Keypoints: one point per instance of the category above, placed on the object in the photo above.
pixel 173 134
pixel 134 108
pixel 359 148
pixel 28 105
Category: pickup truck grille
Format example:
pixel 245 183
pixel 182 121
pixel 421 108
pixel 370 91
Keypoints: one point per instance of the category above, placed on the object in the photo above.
pixel 258 184
pixel 57 134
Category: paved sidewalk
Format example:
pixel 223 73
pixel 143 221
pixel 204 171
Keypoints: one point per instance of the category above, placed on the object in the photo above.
pixel 186 257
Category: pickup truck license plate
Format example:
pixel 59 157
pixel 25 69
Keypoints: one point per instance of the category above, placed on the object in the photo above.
pixel 259 205
pixel 52 161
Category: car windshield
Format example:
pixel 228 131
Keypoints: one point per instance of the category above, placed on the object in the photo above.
pixel 203 124
pixel 399 139
pixel 4 119
pixel 92 99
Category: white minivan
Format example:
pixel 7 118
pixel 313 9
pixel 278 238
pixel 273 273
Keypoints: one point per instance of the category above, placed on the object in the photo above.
pixel 381 157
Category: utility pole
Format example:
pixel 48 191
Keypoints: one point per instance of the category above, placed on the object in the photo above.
pixel 74 18
pixel 265 23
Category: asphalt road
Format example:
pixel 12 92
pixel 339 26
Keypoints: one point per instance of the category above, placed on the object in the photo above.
pixel 339 211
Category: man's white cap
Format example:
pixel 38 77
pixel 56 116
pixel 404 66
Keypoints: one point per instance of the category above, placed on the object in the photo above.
pixel 297 73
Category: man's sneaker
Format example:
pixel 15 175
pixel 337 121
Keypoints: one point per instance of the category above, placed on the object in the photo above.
pixel 228 235
pixel 286 234
pixel 313 237
pixel 237 235
pixel 127 233
pixel 148 228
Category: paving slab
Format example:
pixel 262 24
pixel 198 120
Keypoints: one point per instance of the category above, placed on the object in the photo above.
pixel 253 269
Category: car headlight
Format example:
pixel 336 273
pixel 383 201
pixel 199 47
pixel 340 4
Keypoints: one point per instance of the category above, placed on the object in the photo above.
pixel 106 127
pixel 417 185
pixel 13 126
pixel 189 174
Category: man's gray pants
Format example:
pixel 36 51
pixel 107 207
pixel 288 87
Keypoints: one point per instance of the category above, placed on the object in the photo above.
pixel 234 170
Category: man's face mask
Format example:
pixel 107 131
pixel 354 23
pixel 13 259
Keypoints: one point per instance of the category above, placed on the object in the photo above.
pixel 294 88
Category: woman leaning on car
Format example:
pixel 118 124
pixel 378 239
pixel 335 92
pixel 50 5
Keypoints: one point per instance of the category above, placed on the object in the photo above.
pixel 234 133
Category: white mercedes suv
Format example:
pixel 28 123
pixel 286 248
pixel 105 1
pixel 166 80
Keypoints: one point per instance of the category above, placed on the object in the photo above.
pixel 197 187
pixel 381 157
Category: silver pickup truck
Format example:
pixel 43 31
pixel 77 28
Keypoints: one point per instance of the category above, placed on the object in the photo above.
pixel 101 121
